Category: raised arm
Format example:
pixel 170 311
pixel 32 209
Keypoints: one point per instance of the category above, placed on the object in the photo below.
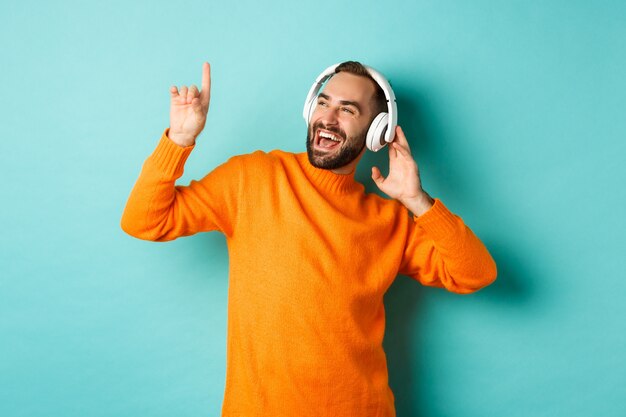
pixel 159 210
pixel 441 251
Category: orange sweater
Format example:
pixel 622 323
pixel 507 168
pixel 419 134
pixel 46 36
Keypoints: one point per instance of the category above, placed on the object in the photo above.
pixel 311 256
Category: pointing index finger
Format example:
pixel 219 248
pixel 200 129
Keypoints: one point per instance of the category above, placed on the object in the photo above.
pixel 206 83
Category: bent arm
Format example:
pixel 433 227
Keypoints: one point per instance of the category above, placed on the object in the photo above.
pixel 158 210
pixel 443 252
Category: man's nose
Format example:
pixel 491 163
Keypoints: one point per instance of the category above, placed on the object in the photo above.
pixel 329 116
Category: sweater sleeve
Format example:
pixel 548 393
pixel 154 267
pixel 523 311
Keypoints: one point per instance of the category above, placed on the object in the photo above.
pixel 442 251
pixel 159 210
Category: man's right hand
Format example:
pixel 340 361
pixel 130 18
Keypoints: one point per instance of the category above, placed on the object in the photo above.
pixel 188 110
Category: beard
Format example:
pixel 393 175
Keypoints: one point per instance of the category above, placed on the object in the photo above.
pixel 351 148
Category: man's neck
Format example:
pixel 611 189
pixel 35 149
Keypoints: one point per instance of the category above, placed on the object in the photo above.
pixel 349 168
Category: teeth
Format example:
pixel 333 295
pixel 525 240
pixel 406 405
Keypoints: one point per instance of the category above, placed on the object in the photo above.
pixel 329 136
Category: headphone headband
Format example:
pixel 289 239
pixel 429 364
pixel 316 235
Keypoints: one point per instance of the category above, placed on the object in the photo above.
pixel 315 89
pixel 391 117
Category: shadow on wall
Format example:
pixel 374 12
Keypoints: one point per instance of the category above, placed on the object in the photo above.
pixel 406 313
pixel 512 285
pixel 403 306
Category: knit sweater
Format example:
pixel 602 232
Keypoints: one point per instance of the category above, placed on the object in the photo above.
pixel 311 256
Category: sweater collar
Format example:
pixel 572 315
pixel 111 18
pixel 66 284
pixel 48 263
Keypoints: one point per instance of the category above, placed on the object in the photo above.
pixel 326 180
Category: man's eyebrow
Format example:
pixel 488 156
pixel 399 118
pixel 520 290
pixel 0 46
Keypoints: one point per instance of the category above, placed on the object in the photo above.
pixel 344 102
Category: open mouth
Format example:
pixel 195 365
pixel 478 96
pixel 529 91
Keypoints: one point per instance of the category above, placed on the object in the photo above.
pixel 327 140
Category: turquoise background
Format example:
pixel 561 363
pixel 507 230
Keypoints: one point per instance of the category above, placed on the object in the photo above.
pixel 515 112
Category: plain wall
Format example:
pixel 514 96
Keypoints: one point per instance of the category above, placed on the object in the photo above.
pixel 516 115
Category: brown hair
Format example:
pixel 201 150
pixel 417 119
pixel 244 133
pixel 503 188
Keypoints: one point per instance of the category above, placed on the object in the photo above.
pixel 356 68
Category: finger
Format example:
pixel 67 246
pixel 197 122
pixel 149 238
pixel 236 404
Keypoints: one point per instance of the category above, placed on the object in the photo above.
pixel 192 93
pixel 196 105
pixel 402 144
pixel 206 83
pixel 182 91
pixel 176 96
pixel 401 138
pixel 376 175
pixel 401 149
pixel 393 153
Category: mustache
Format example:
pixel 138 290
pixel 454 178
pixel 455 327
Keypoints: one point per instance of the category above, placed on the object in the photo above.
pixel 333 129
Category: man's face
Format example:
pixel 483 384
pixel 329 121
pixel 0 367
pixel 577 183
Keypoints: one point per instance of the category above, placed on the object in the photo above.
pixel 338 126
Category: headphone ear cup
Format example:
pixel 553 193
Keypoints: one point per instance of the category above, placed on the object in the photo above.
pixel 375 139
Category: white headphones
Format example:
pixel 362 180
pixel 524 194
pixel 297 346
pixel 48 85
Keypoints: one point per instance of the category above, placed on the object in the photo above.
pixel 383 127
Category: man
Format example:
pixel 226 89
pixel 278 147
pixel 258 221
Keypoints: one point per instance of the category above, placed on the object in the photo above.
pixel 311 254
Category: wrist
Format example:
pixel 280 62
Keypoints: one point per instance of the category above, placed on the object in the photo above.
pixel 181 139
pixel 420 204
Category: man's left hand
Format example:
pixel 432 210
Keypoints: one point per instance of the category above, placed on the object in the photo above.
pixel 403 182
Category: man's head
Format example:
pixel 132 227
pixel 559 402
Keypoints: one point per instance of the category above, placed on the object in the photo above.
pixel 341 117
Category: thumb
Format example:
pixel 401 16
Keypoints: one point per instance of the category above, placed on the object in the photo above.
pixel 196 105
pixel 377 176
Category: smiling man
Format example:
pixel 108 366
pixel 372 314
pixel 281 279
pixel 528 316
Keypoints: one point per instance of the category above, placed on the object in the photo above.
pixel 336 139
pixel 311 254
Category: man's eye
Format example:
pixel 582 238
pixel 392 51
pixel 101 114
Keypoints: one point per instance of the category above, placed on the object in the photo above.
pixel 347 110
pixel 322 103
